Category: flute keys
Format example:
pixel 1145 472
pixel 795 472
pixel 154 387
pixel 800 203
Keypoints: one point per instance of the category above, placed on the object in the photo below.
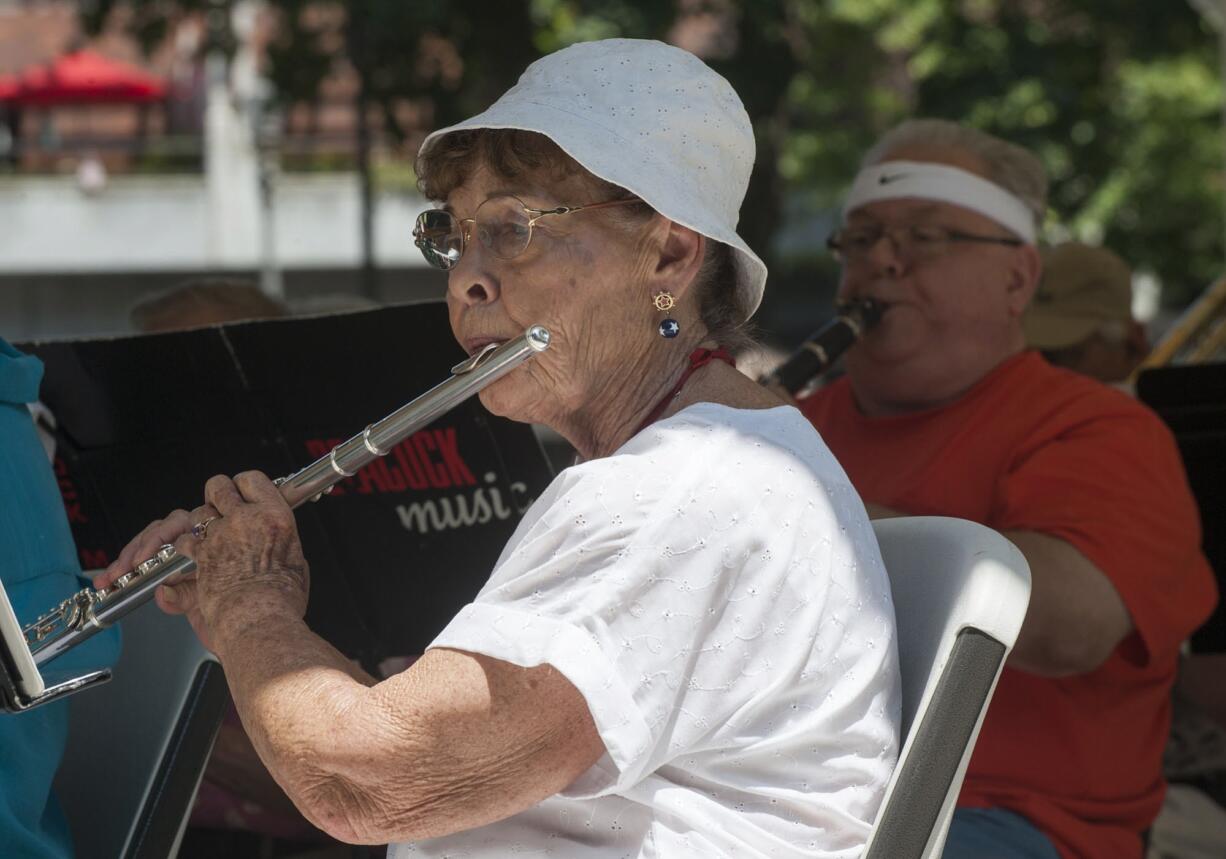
pixel 46 624
pixel 72 614
pixel 166 553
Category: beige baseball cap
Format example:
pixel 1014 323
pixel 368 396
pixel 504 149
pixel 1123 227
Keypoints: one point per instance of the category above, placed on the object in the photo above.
pixel 1083 288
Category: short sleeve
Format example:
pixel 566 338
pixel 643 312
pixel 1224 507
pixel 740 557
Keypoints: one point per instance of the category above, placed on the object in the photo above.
pixel 603 596
pixel 1112 484
pixel 675 598
pixel 578 652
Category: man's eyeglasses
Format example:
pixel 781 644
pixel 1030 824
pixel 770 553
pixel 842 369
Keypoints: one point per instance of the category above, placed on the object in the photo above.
pixel 503 224
pixel 914 242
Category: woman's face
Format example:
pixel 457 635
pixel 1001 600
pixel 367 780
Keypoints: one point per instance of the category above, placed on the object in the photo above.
pixel 581 276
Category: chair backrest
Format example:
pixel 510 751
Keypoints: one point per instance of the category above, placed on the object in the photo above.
pixel 960 595
pixel 137 747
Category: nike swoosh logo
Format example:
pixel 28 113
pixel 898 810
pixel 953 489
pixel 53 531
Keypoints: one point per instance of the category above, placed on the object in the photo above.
pixel 883 179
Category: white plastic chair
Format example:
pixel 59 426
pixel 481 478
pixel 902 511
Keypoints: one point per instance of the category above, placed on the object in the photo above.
pixel 960 595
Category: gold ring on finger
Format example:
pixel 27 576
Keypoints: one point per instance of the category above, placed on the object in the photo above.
pixel 201 529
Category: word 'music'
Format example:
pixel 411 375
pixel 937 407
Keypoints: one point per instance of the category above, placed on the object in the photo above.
pixel 429 459
pixel 465 509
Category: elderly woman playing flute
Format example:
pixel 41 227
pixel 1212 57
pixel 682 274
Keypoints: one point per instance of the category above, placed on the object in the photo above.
pixel 687 648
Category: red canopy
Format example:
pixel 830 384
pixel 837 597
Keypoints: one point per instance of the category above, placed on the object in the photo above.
pixel 82 77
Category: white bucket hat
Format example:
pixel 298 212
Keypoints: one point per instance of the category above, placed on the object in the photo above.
pixel 651 118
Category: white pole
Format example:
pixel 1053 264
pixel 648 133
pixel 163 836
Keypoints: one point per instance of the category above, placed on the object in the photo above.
pixel 253 94
pixel 271 283
pixel 231 176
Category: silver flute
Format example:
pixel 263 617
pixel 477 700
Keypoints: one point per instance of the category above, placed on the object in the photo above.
pixel 90 611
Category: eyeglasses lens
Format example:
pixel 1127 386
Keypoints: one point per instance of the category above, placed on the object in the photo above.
pixel 437 234
pixel 503 226
pixel 500 223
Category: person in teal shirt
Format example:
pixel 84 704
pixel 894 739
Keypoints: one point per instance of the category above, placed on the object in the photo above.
pixel 39 568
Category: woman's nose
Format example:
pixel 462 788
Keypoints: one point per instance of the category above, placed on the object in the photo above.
pixel 471 282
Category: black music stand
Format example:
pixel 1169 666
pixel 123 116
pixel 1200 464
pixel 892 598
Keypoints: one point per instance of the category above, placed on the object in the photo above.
pixel 1191 399
pixel 395 551
pixel 148 733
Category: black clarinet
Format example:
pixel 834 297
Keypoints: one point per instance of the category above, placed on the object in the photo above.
pixel 824 346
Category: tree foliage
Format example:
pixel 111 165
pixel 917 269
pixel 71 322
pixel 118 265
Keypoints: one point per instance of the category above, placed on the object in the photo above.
pixel 1121 100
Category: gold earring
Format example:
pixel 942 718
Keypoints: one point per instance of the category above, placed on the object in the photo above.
pixel 664 302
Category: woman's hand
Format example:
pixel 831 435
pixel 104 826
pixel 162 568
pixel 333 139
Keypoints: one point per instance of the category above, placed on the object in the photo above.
pixel 156 534
pixel 248 556
pixel 249 561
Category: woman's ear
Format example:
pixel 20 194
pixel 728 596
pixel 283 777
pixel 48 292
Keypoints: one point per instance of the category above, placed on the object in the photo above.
pixel 681 252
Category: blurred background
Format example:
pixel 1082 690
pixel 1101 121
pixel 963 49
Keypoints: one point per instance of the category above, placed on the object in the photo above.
pixel 146 142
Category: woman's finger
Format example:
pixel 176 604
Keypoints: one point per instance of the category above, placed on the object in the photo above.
pixel 204 511
pixel 185 544
pixel 156 536
pixel 257 487
pixel 145 545
pixel 221 492
pixel 179 598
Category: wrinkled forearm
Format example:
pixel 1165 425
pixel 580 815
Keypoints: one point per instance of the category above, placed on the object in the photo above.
pixel 457 741
pixel 297 697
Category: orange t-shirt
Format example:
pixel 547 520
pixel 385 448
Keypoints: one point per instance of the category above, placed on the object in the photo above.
pixel 1035 448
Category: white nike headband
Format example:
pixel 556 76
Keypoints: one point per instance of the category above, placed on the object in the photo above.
pixel 892 180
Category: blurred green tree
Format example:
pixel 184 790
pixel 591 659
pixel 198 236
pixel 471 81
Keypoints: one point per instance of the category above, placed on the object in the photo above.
pixel 1121 100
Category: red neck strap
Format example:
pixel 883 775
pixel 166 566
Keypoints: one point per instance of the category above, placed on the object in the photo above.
pixel 698 358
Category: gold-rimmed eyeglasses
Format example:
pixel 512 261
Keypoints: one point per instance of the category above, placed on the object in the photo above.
pixel 503 224
pixel 912 242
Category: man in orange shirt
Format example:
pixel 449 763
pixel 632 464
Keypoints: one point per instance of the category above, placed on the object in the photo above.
pixel 943 411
